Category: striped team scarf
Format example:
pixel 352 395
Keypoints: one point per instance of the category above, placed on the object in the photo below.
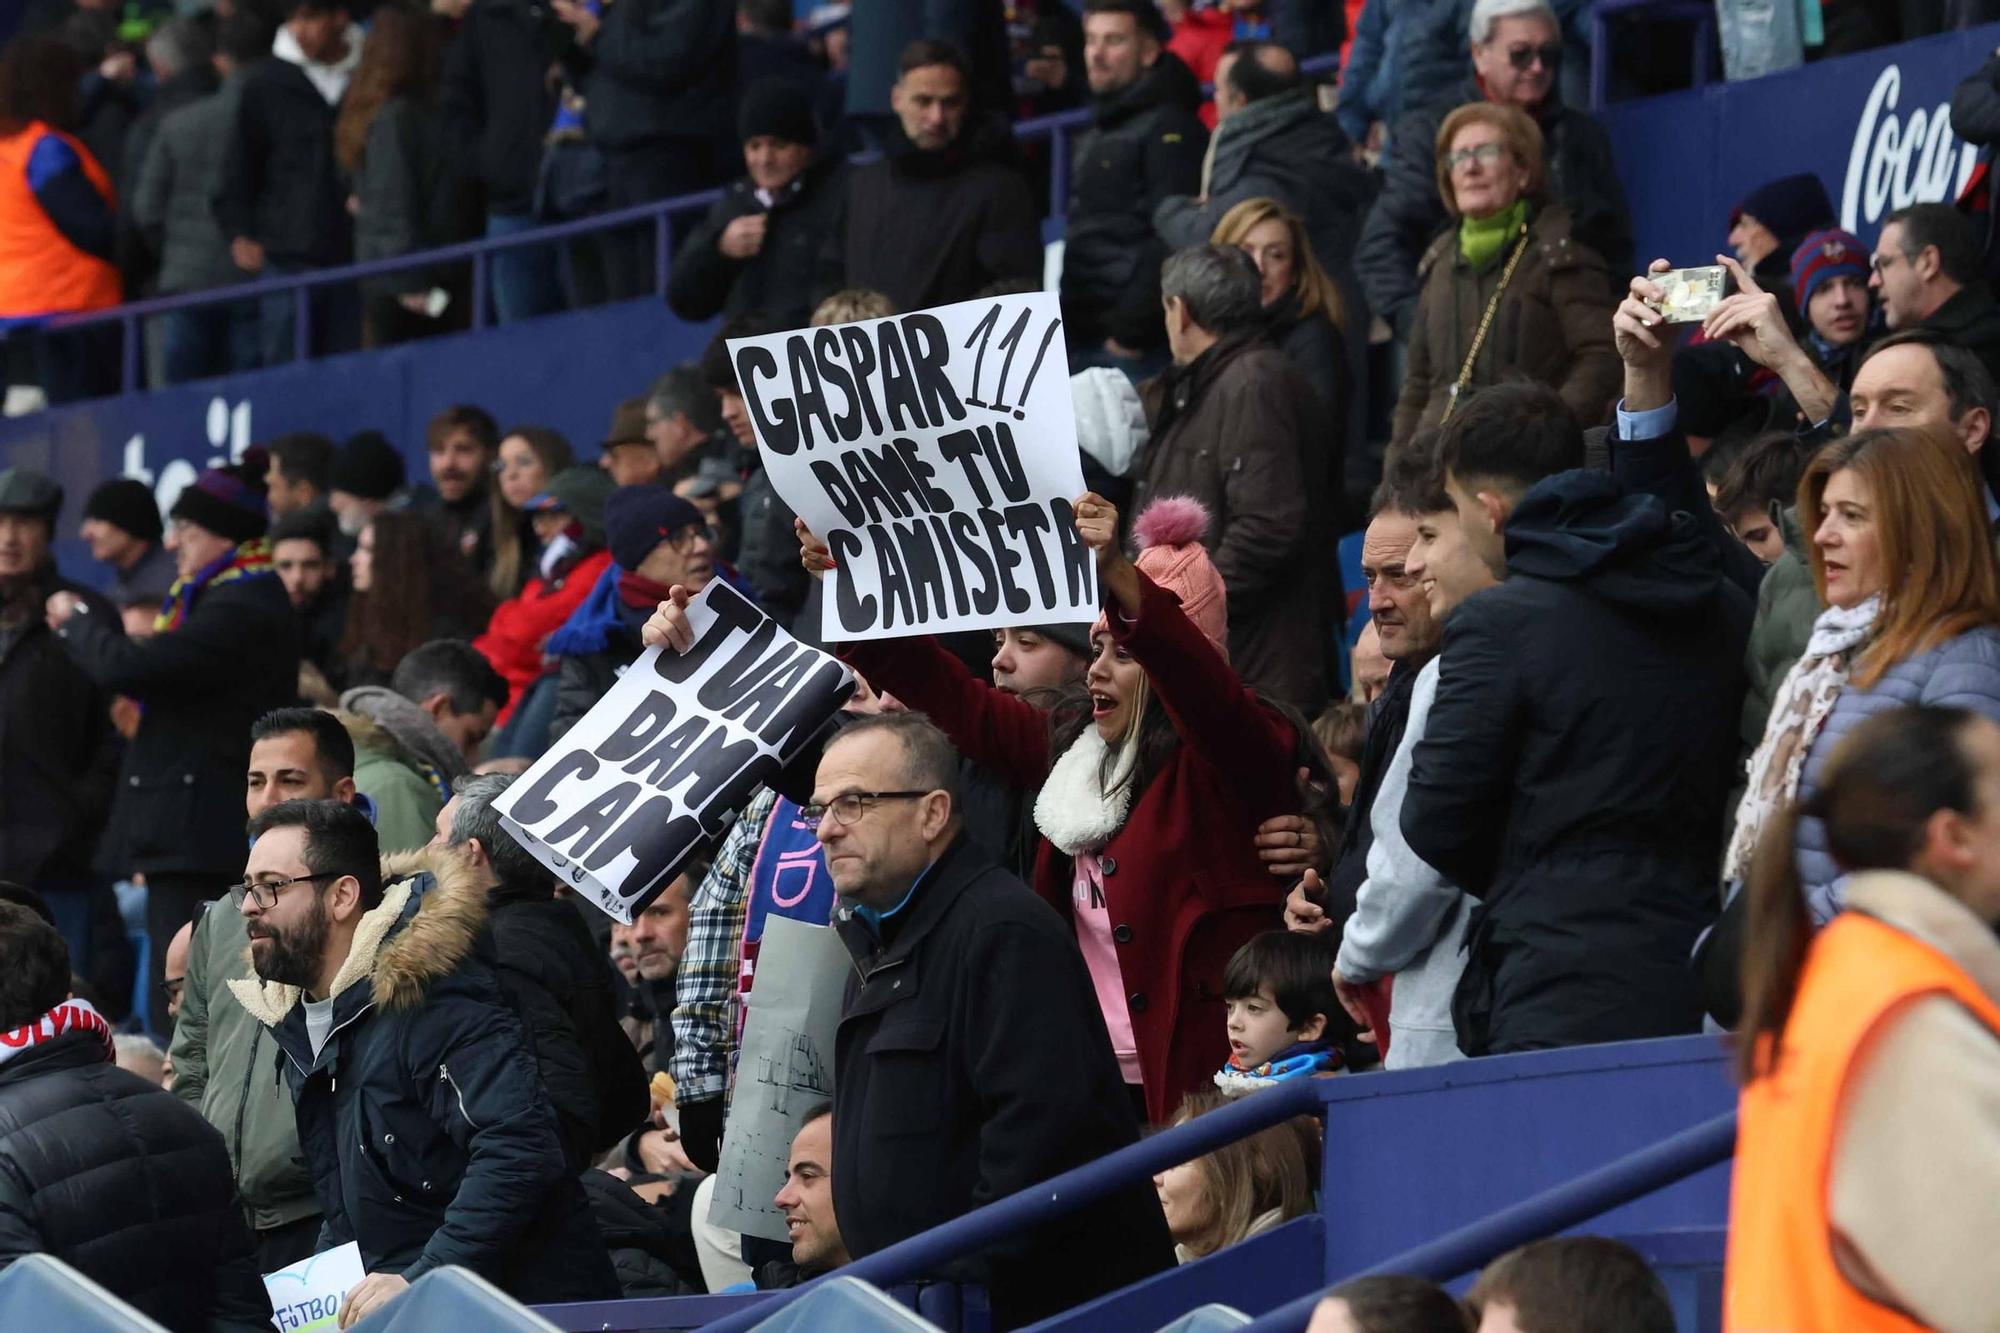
pixel 251 560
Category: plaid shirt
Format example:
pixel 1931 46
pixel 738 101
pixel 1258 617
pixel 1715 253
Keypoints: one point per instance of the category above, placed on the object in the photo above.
pixel 705 995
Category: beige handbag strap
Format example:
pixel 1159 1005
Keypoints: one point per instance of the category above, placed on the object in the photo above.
pixel 1485 323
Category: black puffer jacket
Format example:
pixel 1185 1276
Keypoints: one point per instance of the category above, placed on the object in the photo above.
pixel 58 752
pixel 179 808
pixel 930 228
pixel 125 1184
pixel 559 983
pixel 1144 146
pixel 650 1244
pixel 786 276
pixel 1409 214
pixel 423 1118
pixel 1574 769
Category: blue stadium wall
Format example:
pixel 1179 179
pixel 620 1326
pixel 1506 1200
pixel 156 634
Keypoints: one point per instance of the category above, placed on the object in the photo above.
pixel 1875 126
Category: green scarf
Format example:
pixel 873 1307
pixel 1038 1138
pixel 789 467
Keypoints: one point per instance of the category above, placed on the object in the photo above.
pixel 1479 239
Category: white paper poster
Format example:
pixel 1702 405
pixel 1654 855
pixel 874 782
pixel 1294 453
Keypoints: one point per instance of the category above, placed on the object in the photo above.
pixel 784 1068
pixel 653 772
pixel 935 454
pixel 306 1297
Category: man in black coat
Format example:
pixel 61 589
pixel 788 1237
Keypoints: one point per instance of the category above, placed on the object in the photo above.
pixel 553 973
pixel 1145 145
pixel 497 103
pixel 101 1169
pixel 760 247
pixel 1927 275
pixel 227 654
pixel 58 751
pixel 659 85
pixel 279 197
pixel 421 1111
pixel 971 1060
pixel 1577 758
pixel 1582 175
pixel 946 211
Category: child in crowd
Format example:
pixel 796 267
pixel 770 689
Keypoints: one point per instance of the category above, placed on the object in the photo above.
pixel 1342 731
pixel 1279 992
pixel 1755 489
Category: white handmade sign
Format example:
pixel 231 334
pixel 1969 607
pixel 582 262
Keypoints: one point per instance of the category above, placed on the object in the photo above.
pixel 651 774
pixel 306 1297
pixel 783 1070
pixel 935 454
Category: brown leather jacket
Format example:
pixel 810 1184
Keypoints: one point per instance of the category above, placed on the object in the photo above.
pixel 1553 325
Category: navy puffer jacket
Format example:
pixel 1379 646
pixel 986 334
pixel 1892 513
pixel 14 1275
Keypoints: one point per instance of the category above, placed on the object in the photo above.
pixel 1963 672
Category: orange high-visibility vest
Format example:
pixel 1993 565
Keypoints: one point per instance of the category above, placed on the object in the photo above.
pixel 41 273
pixel 1782 1276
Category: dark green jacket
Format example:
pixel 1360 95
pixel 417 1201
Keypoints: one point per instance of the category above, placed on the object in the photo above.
pixel 1787 605
pixel 226 1064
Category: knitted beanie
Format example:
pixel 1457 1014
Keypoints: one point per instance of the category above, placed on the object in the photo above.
pixel 1790 206
pixel 778 108
pixel 1168 534
pixel 127 505
pixel 366 467
pixel 638 518
pixel 225 504
pixel 1826 254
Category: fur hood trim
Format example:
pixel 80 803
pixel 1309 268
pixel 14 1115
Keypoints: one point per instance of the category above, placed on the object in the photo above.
pixel 402 966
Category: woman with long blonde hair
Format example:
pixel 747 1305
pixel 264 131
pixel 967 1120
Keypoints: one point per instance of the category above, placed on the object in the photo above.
pixel 1902 557
pixel 1307 319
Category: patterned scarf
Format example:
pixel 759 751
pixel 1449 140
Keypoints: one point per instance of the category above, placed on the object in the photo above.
pixel 69 1016
pixel 1804 701
pixel 251 560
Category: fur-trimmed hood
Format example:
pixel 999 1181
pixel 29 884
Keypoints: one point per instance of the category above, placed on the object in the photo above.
pixel 417 934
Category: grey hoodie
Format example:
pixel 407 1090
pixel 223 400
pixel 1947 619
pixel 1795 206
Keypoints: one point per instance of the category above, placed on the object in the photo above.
pixel 1408 922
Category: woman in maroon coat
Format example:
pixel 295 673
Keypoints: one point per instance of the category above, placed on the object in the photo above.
pixel 1152 783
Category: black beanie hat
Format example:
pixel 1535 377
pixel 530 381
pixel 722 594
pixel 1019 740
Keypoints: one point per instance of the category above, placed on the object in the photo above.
pixel 366 467
pixel 777 107
pixel 638 518
pixel 127 505
pixel 221 501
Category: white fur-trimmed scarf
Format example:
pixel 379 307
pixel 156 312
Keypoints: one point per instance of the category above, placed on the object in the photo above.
pixel 1074 811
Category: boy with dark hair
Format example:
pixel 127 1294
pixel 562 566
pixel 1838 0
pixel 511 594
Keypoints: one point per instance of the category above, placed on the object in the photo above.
pixel 1584 722
pixel 1279 993
pixel 1572 1284
pixel 299 473
pixel 303 554
pixel 1757 488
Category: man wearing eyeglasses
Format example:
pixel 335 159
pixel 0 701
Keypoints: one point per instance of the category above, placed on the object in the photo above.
pixel 971 1060
pixel 657 541
pixel 1517 50
pixel 421 1113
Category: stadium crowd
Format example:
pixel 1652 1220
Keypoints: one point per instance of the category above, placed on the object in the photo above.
pixel 1674 710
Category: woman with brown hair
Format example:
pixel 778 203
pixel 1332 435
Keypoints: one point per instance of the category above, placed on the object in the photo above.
pixel 1868 1151
pixel 1307 320
pixel 1508 293
pixel 1240 1190
pixel 410 587
pixel 528 457
pixel 390 140
pixel 1902 558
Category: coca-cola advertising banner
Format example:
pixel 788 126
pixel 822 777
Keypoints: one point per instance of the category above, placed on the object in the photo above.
pixel 1876 127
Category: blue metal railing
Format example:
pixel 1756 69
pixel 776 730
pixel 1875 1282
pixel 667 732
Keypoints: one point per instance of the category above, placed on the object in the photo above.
pixel 1545 1214
pixel 1057 1197
pixel 1056 129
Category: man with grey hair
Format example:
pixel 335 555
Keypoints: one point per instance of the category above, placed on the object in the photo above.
pixel 1517 50
pixel 181 56
pixel 972 1059
pixel 1230 419
pixel 554 975
pixel 681 421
